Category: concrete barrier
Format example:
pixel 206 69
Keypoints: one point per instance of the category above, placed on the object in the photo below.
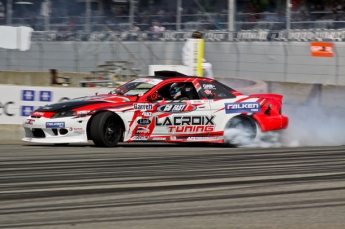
pixel 38 78
pixel 11 132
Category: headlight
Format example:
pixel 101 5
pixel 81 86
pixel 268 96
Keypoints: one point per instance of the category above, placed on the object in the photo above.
pixel 63 114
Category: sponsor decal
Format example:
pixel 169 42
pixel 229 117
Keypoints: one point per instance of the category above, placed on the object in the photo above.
pixel 187 124
pixel 322 49
pixel 159 139
pixel 75 129
pixel 142 106
pixel 143 130
pixel 197 101
pixel 82 112
pixel 29 121
pixel 190 129
pixel 27 110
pixel 45 96
pixel 185 120
pixel 37 114
pixel 147 114
pixel 176 108
pixel 55 124
pixel 172 138
pixel 139 138
pixel 4 108
pixel 242 107
pixel 209 86
pixel 201 138
pixel 144 121
pixel 28 95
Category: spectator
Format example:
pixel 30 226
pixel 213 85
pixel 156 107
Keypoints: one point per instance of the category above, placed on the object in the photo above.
pixel 134 30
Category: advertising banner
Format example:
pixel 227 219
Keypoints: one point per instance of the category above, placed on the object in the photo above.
pixel 197 53
pixel 18 102
pixel 322 49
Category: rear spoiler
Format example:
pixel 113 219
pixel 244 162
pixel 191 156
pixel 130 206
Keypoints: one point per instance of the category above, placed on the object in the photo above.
pixel 268 96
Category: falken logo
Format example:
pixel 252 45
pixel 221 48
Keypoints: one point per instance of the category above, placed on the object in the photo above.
pixel 176 108
pixel 144 121
pixel 250 107
pixel 55 124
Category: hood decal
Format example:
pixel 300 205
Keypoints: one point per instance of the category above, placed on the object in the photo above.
pixel 67 105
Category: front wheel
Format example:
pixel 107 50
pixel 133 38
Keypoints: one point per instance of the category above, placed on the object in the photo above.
pixel 105 130
pixel 239 131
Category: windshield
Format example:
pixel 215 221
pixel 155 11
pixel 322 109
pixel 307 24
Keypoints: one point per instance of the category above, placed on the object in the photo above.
pixel 136 87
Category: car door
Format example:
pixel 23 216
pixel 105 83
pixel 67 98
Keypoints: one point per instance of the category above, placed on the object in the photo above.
pixel 181 120
pixel 218 98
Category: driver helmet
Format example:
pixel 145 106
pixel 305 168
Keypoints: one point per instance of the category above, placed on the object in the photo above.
pixel 175 90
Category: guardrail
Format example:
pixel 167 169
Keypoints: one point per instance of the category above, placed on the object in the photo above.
pixel 214 35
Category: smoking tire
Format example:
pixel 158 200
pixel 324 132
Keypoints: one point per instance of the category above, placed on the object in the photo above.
pixel 239 131
pixel 105 130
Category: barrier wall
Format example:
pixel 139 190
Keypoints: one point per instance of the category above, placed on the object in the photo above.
pixel 36 78
pixel 268 61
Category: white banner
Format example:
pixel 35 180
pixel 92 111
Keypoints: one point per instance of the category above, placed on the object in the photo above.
pixel 15 37
pixel 17 102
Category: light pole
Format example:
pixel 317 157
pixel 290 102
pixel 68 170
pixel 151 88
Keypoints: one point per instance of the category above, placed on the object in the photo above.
pixel 88 15
pixel 9 12
pixel 178 14
pixel 288 17
pixel 131 13
pixel 231 18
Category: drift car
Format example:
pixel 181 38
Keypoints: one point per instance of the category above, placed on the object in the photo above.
pixel 144 110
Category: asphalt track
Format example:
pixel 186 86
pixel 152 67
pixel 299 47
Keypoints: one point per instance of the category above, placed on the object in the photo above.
pixel 171 186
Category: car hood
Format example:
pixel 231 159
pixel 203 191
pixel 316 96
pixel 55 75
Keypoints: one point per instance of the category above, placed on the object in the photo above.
pixel 107 100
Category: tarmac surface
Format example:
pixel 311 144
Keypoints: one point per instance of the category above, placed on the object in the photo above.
pixel 171 186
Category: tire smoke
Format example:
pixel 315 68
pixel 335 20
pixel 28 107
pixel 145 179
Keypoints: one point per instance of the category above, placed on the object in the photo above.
pixel 313 126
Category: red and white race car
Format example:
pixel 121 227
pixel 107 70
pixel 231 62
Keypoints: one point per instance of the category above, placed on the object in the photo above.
pixel 168 107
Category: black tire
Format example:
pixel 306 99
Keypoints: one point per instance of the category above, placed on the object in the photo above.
pixel 105 130
pixel 239 131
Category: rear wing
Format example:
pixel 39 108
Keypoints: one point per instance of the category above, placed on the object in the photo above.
pixel 268 96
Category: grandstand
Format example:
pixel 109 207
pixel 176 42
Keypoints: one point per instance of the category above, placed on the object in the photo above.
pixel 71 16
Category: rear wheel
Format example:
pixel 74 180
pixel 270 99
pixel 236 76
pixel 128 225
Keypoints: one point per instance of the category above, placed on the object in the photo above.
pixel 105 130
pixel 239 131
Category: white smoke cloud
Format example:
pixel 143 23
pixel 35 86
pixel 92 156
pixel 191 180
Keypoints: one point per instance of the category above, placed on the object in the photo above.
pixel 314 126
pixel 308 126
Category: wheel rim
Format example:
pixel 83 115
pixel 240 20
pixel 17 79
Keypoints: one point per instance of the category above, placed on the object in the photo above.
pixel 110 130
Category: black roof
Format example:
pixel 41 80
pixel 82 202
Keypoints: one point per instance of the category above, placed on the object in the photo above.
pixel 170 74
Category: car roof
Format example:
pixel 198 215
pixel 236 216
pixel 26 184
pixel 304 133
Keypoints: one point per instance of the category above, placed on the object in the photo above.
pixel 166 75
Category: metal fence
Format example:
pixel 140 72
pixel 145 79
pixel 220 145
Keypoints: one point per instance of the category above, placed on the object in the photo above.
pixel 336 35
pixel 264 56
pixel 204 21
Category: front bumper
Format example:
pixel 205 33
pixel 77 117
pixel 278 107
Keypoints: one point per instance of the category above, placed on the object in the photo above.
pixel 61 130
